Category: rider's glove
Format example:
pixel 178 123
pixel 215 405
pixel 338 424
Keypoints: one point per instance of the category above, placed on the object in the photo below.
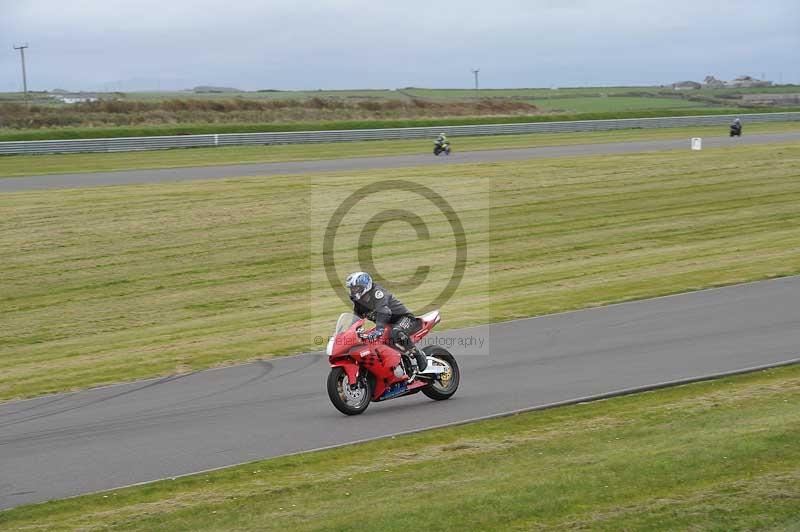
pixel 374 334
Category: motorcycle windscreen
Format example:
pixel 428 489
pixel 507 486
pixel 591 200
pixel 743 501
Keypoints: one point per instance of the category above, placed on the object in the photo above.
pixel 345 321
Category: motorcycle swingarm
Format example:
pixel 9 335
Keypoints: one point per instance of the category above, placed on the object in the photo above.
pixel 431 370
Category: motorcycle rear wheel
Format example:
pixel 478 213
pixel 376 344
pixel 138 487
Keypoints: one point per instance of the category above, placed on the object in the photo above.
pixel 348 400
pixel 446 385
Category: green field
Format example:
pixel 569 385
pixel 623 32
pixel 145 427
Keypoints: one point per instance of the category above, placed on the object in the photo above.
pixel 617 104
pixel 583 92
pixel 22 165
pixel 119 114
pixel 120 283
pixel 194 127
pixel 721 455
pixel 439 94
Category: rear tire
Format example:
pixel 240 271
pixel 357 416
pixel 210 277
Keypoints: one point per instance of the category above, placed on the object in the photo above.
pixel 447 383
pixel 347 400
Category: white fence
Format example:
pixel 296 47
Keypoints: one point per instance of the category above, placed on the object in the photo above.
pixel 307 137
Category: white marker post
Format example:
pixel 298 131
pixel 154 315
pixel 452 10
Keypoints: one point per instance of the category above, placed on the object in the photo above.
pixel 697 143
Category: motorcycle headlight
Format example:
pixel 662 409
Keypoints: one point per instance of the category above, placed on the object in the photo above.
pixel 329 348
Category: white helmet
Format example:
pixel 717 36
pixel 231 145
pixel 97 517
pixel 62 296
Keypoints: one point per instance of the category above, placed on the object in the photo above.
pixel 358 283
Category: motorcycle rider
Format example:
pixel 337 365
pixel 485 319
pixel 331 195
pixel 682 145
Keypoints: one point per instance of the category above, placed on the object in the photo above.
pixel 441 140
pixel 374 302
pixel 736 127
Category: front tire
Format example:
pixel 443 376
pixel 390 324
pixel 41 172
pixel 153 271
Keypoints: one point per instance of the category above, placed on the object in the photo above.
pixel 348 400
pixel 446 385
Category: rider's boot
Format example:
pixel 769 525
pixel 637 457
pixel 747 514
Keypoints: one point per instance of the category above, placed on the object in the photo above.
pixel 422 360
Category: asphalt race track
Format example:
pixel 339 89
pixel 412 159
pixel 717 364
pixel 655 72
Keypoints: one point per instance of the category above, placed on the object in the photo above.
pixel 16 184
pixel 63 445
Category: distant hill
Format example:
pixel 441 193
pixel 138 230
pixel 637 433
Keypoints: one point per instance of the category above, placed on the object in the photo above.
pixel 208 88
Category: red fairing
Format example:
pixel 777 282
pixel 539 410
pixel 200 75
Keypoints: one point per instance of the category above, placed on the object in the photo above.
pixel 346 340
pixel 416 384
pixel 381 362
pixel 355 355
pixel 350 368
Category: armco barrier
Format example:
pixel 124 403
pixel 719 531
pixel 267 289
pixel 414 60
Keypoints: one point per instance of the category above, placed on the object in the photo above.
pixel 308 137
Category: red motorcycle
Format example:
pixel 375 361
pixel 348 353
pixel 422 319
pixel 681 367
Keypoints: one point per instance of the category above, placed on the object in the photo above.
pixel 364 371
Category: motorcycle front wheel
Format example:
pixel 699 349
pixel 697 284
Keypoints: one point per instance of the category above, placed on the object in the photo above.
pixel 350 400
pixel 447 383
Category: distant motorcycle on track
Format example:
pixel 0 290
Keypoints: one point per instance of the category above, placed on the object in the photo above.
pixel 441 147
pixel 363 371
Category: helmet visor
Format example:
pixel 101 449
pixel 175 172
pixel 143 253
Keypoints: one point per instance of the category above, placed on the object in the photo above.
pixel 356 290
pixel 358 284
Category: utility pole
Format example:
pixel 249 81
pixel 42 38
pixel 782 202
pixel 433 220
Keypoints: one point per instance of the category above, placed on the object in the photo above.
pixel 475 72
pixel 24 75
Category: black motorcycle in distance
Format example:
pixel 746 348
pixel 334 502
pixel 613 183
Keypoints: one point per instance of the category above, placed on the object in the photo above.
pixel 736 129
pixel 441 147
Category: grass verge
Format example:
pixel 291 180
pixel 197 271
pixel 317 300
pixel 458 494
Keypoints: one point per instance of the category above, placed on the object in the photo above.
pixel 719 455
pixel 120 283
pixel 22 165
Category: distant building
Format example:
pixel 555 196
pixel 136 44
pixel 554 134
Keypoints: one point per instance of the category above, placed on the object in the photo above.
pixel 747 81
pixel 713 83
pixel 78 99
pixel 75 97
pixel 742 82
pixel 686 85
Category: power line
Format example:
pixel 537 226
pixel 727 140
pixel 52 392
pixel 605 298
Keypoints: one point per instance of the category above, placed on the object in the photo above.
pixel 24 75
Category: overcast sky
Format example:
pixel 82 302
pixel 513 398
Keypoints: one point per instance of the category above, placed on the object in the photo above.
pixel 337 44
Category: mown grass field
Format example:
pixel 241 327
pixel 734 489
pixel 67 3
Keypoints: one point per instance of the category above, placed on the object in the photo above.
pixel 720 455
pixel 120 283
pixel 22 165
